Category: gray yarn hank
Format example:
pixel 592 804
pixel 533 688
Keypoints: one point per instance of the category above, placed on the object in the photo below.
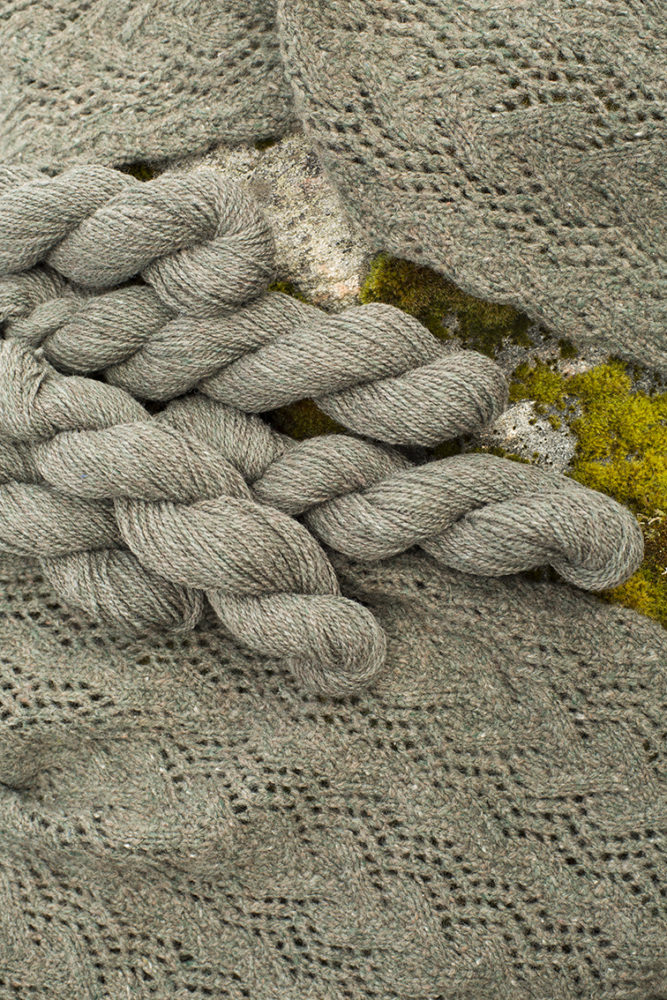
pixel 196 238
pixel 186 514
pixel 365 499
pixel 373 368
pixel 476 513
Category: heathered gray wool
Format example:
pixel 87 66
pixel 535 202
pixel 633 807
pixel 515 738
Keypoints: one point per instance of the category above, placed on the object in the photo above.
pixel 374 369
pixel 518 148
pixel 179 819
pixel 187 516
pixel 124 80
pixel 476 513
pixel 195 238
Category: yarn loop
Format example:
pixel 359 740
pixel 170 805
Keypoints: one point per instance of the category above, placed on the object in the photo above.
pixel 196 238
pixel 186 515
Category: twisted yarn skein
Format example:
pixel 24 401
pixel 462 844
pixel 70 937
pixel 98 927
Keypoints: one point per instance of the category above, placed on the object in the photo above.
pixel 372 368
pixel 76 541
pixel 195 238
pixel 476 513
pixel 185 513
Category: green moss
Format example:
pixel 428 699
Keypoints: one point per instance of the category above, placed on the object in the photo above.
pixel 501 453
pixel 567 349
pixel 142 171
pixel 302 420
pixel 432 299
pixel 621 450
pixel 541 383
pixel 289 288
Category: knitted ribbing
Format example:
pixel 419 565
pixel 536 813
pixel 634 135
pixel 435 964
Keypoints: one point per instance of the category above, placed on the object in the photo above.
pixel 474 512
pixel 518 148
pixel 196 238
pixel 179 819
pixel 185 513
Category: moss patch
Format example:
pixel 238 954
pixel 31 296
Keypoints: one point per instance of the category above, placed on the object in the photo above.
pixel 434 301
pixel 621 432
pixel 541 383
pixel 302 420
pixel 142 171
pixel 621 451
pixel 289 288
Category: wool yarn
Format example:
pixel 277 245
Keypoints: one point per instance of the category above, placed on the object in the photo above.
pixel 196 238
pixel 373 368
pixel 180 819
pixel 474 512
pixel 186 515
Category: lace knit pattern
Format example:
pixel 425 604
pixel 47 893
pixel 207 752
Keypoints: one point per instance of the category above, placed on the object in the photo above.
pixel 516 147
pixel 112 81
pixel 180 819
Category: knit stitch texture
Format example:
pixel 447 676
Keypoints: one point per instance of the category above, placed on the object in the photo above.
pixel 517 148
pixel 120 80
pixel 179 819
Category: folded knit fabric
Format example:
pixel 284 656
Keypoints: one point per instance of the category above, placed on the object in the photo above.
pixel 517 148
pixel 178 819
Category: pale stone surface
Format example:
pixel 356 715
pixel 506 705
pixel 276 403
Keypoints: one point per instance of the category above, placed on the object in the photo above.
pixel 531 436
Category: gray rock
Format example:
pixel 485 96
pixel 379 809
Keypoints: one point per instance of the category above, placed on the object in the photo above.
pixel 524 432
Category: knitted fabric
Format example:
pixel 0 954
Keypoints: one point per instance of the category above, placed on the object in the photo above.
pixel 517 148
pixel 84 470
pixel 120 80
pixel 179 819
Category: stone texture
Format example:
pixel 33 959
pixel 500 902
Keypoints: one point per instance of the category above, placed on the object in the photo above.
pixel 322 253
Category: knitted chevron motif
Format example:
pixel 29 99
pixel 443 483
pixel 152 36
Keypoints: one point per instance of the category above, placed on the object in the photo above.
pixel 180 819
pixel 183 815
pixel 517 148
